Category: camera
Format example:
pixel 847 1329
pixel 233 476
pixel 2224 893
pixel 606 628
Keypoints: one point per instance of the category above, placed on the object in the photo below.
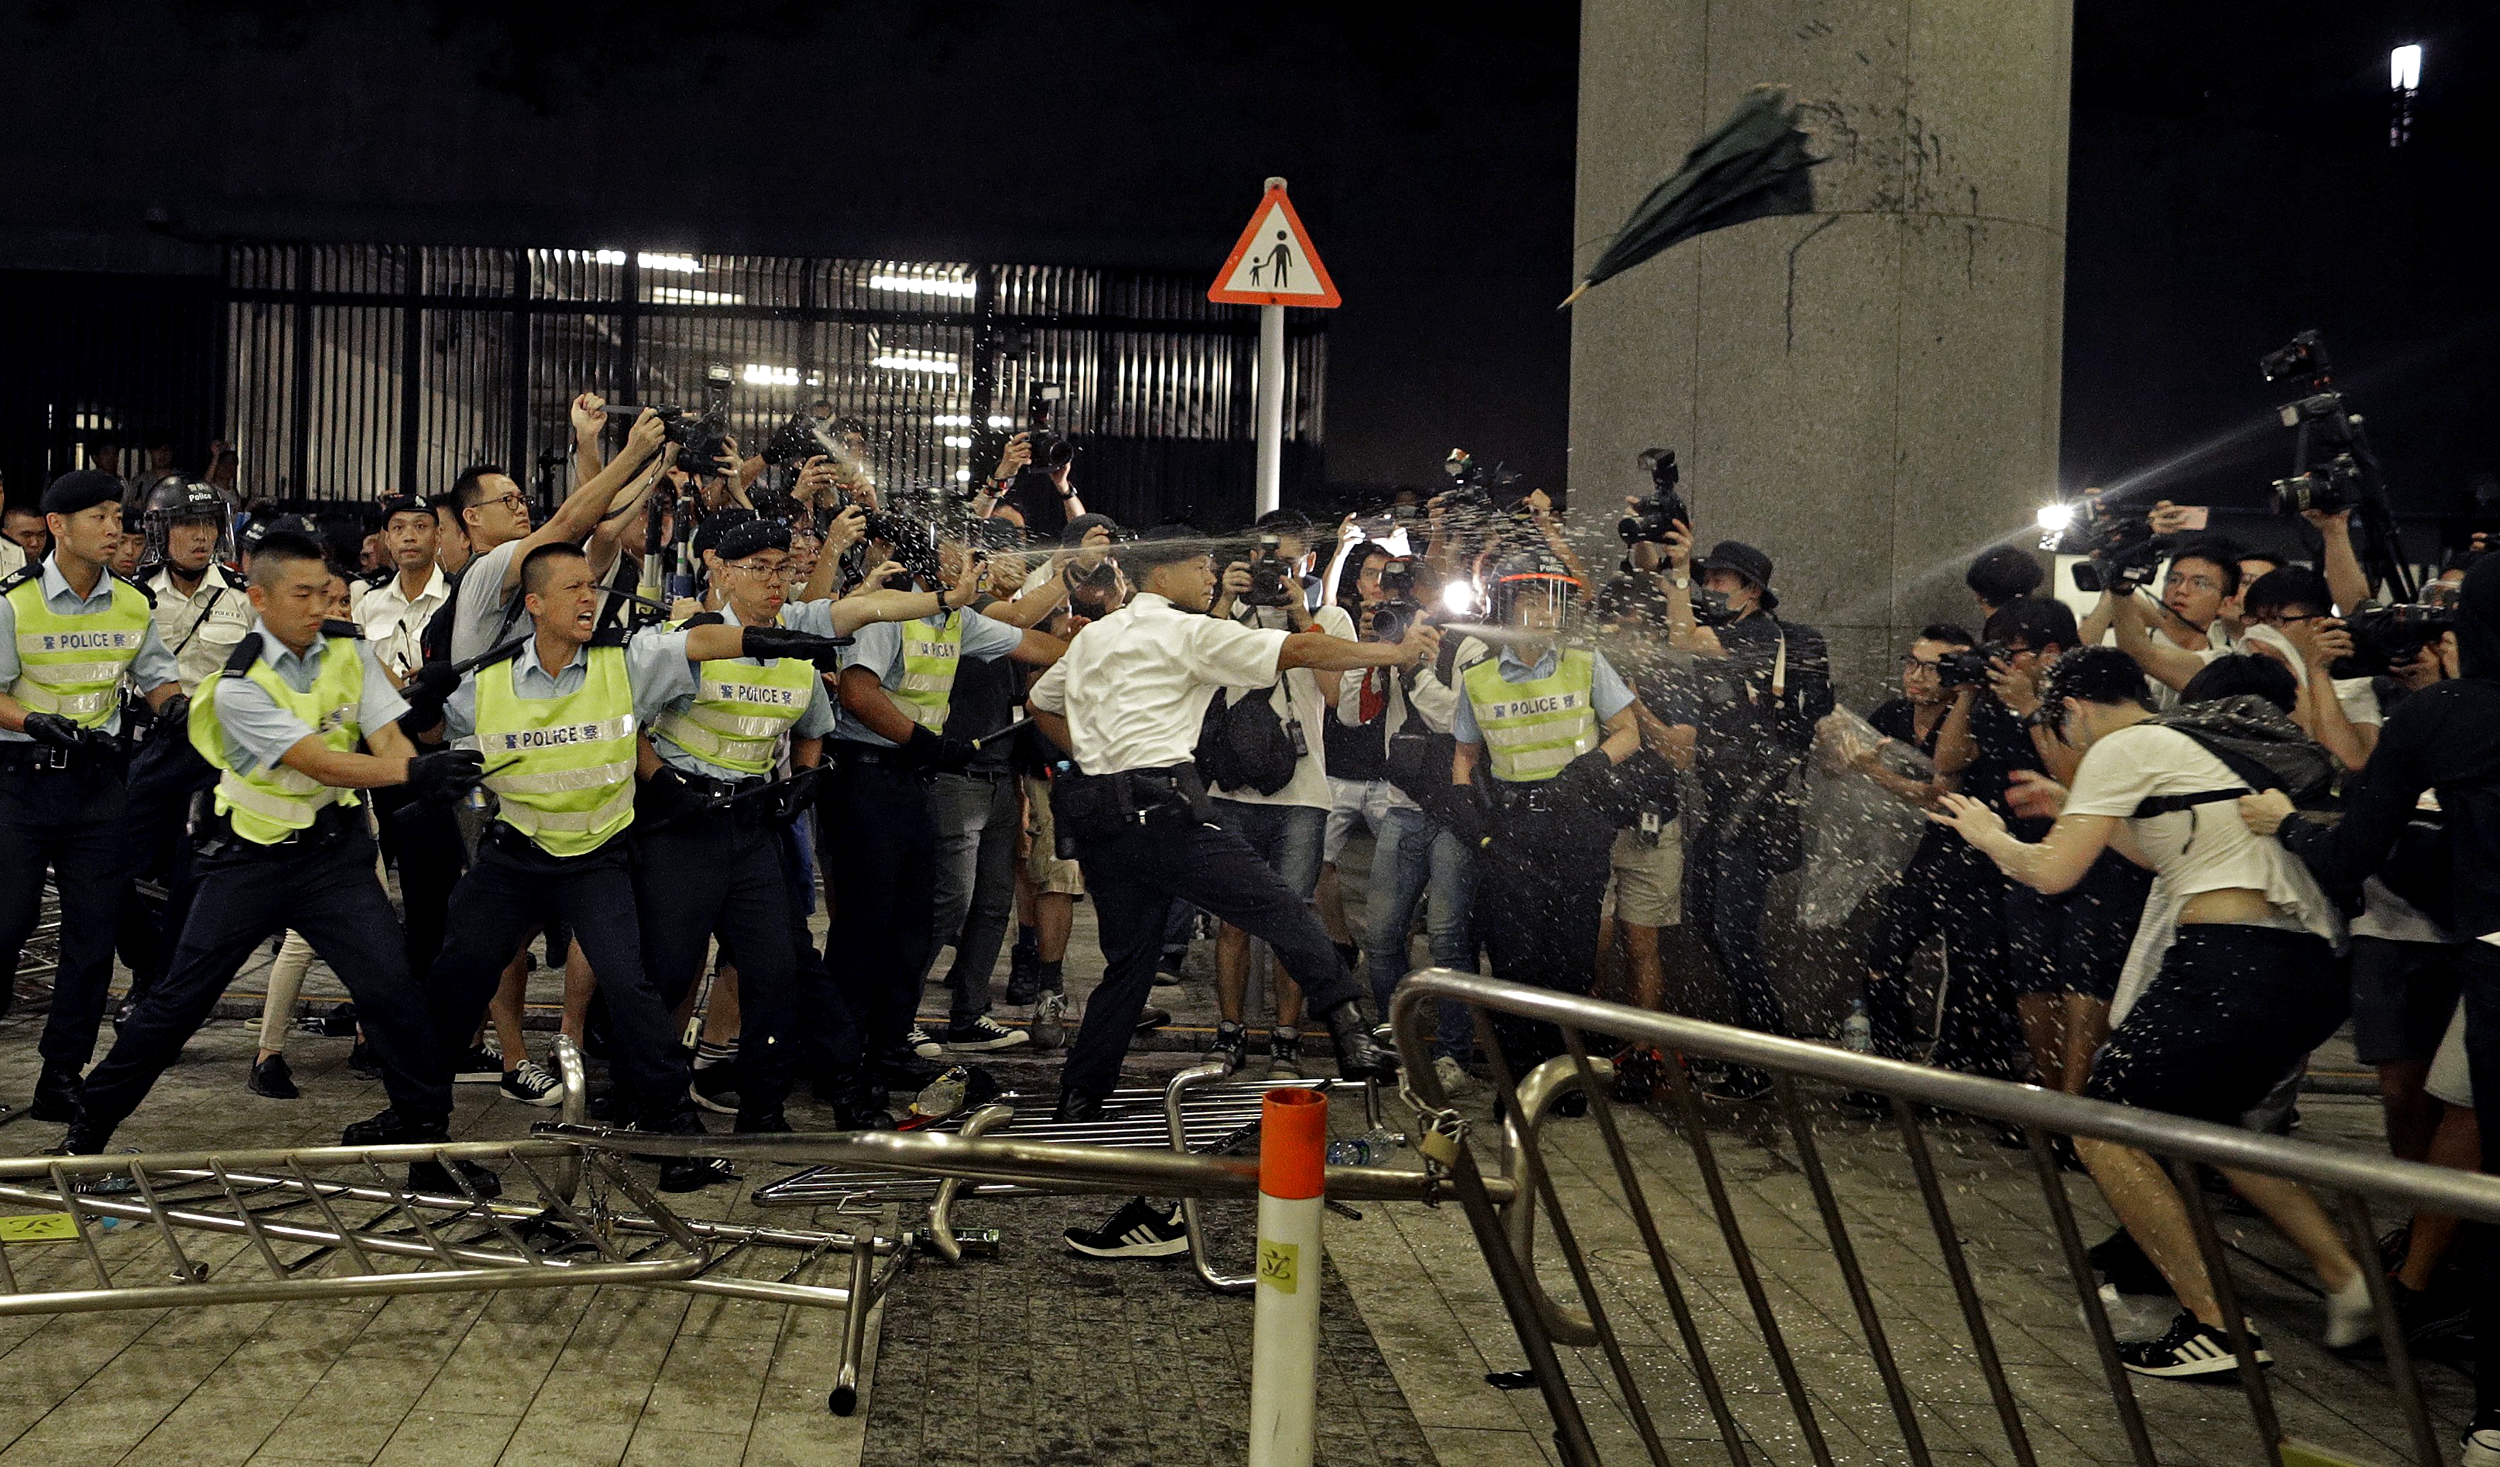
pixel 1652 517
pixel 1270 576
pixel 2119 550
pixel 913 542
pixel 1399 609
pixel 1473 486
pixel 803 437
pixel 1969 668
pixel 702 438
pixel 2301 359
pixel 2331 487
pixel 2397 631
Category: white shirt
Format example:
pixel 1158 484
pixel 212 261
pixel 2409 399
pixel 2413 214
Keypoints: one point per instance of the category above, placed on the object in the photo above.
pixel 1135 685
pixel 202 628
pixel 394 624
pixel 12 557
pixel 2203 849
pixel 1299 699
pixel 1430 703
pixel 2219 644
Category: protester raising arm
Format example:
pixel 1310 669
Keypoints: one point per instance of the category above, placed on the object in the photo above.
pixel 581 511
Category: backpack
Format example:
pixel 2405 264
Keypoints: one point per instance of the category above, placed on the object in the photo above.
pixel 2257 742
pixel 1244 745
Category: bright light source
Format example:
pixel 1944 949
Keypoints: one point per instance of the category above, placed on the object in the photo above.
pixel 682 264
pixel 2055 518
pixel 963 476
pixel 1001 420
pixel 678 295
pixel 760 375
pixel 959 440
pixel 2404 69
pixel 608 257
pixel 915 361
pixel 922 285
pixel 1459 597
pixel 953 420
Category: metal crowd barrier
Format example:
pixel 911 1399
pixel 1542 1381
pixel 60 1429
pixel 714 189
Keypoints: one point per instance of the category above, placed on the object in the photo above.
pixel 2348 1182
pixel 41 956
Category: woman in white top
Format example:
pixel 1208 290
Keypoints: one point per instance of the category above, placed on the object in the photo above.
pixel 2231 981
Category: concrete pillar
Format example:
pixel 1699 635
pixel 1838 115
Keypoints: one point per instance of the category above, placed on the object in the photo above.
pixel 1868 392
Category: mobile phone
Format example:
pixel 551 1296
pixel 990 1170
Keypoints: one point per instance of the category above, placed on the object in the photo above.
pixel 2193 516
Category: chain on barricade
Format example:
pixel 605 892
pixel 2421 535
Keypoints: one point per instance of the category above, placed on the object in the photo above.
pixel 1439 1133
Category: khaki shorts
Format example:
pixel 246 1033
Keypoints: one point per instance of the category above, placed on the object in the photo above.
pixel 1044 868
pixel 1647 889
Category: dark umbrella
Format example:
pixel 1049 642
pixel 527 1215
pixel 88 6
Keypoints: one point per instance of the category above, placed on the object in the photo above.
pixel 1752 165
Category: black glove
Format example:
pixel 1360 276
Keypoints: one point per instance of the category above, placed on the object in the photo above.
pixel 768 642
pixel 955 754
pixel 925 750
pixel 1590 777
pixel 442 777
pixel 1463 816
pixel 176 713
pixel 429 688
pixel 53 729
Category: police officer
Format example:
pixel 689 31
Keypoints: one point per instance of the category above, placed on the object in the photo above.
pixel 707 840
pixel 202 609
pixel 70 632
pixel 288 847
pixel 879 828
pixel 1127 700
pixel 1539 728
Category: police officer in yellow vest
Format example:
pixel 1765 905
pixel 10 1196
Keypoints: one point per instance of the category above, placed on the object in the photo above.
pixel 1539 729
pixel 71 633
pixel 707 844
pixel 288 846
pixel 878 828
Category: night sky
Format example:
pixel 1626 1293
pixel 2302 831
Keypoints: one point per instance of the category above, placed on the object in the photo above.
pixel 2232 181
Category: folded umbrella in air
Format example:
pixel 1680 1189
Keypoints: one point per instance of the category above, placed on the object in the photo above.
pixel 1752 165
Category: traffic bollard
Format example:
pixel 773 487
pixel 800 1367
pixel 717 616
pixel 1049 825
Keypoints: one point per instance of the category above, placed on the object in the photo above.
pixel 1284 1340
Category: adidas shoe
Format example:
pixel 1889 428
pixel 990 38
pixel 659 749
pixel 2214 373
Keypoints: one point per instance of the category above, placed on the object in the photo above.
pixel 1231 1046
pixel 2188 1348
pixel 1138 1230
pixel 530 1084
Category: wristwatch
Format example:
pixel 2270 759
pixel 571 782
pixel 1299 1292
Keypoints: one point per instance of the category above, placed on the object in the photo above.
pixel 1683 580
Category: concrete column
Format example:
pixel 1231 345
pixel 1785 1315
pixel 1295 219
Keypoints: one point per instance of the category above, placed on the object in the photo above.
pixel 1868 392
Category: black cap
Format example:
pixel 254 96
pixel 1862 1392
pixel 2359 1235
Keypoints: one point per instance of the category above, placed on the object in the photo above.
pixel 398 504
pixel 293 524
pixel 707 535
pixel 81 489
pixel 751 536
pixel 1752 564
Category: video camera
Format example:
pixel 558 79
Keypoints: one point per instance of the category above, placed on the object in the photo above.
pixel 702 438
pixel 1399 608
pixel 1271 576
pixel 2384 635
pixel 2119 549
pixel 1052 451
pixel 1970 667
pixel 1473 486
pixel 2349 478
pixel 1653 517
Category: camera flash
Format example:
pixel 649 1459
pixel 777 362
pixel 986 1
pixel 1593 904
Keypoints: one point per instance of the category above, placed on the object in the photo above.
pixel 1459 597
pixel 2056 517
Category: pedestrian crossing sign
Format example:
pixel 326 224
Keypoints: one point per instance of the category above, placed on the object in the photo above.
pixel 1274 264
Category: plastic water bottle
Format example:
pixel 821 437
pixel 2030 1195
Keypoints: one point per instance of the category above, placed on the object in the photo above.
pixel 1857 1035
pixel 1372 1148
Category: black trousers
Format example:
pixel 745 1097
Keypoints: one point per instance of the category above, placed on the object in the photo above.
pixel 165 774
pixel 1540 886
pixel 248 894
pixel 422 843
pixel 703 875
pixel 877 828
pixel 1956 893
pixel 1134 877
pixel 69 821
pixel 513 887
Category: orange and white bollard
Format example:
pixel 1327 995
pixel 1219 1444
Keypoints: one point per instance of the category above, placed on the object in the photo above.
pixel 1284 1338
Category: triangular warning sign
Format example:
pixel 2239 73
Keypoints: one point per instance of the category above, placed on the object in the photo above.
pixel 1274 264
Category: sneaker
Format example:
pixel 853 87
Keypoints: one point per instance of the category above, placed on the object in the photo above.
pixel 530 1084
pixel 1050 1021
pixel 1168 969
pixel 2189 1347
pixel 1232 1046
pixel 715 1088
pixel 2481 1442
pixel 2351 1316
pixel 1284 1055
pixel 983 1032
pixel 1138 1230
pixel 1736 1082
pixel 480 1066
pixel 1153 1018
pixel 922 1045
pixel 271 1078
pixel 1453 1076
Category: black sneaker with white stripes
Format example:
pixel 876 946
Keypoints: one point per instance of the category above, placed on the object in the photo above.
pixel 1138 1230
pixel 981 1032
pixel 2189 1347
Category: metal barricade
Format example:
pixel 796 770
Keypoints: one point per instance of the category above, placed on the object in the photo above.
pixel 1698 1399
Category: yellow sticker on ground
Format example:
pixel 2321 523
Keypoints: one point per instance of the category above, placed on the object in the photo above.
pixel 1280 1265
pixel 37 1227
pixel 2310 1454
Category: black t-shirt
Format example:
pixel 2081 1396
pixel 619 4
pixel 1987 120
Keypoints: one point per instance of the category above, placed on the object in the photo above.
pixel 2003 748
pixel 1743 729
pixel 984 698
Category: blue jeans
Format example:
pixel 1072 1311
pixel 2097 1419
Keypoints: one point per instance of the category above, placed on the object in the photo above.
pixel 1286 837
pixel 1410 857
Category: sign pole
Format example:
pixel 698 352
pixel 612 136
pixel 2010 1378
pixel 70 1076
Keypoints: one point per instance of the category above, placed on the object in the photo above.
pixel 1272 267
pixel 1271 407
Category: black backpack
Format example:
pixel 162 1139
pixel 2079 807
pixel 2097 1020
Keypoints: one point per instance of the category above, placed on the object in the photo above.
pixel 1244 746
pixel 2257 742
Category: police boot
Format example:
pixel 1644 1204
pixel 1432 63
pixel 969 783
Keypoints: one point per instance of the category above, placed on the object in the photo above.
pixel 861 1107
pixel 688 1173
pixel 436 1179
pixel 1359 1056
pixel 1077 1106
pixel 57 1092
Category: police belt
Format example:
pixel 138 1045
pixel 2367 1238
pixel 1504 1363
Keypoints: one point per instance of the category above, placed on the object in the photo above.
pixel 1097 806
pixel 1532 797
pixel 332 822
pixel 53 758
